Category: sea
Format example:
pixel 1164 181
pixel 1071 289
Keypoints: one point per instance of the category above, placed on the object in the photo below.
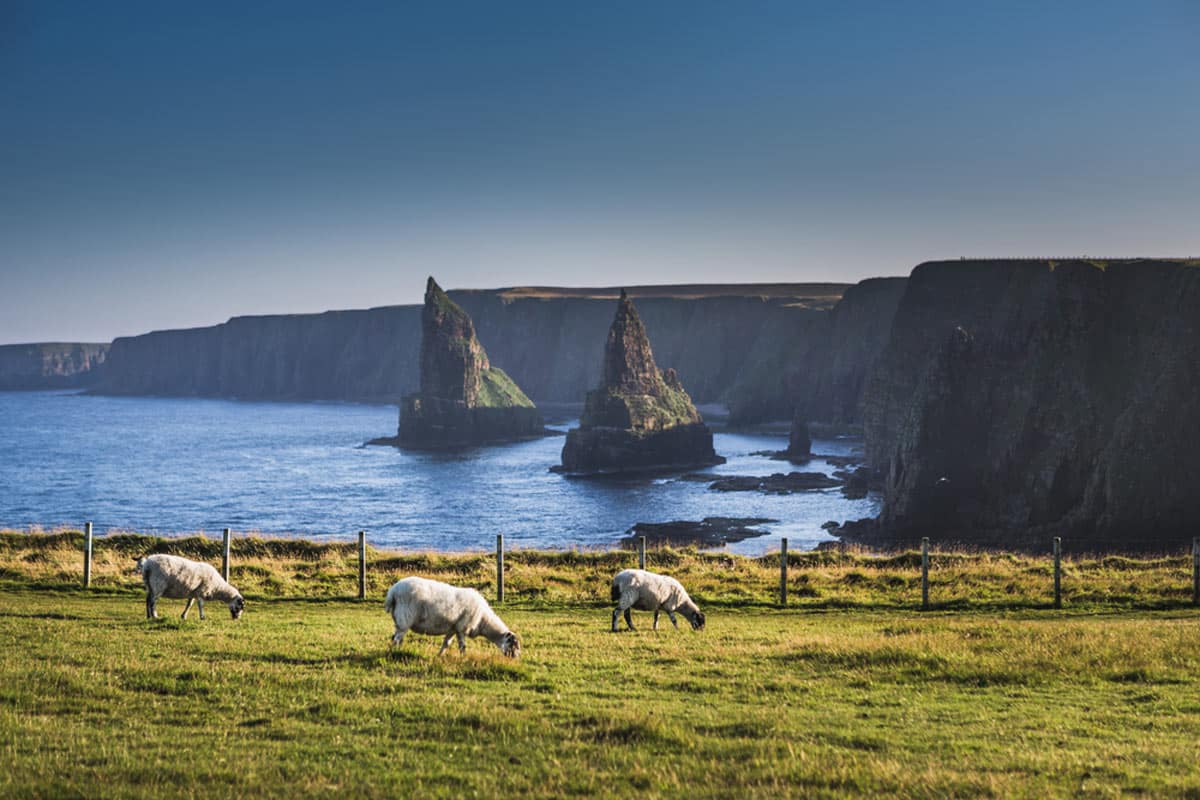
pixel 174 466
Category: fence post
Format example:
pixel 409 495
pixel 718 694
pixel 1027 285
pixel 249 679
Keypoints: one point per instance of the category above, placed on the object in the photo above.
pixel 87 554
pixel 783 564
pixel 925 573
pixel 641 552
pixel 225 536
pixel 362 565
pixel 1058 572
pixel 1196 571
pixel 499 567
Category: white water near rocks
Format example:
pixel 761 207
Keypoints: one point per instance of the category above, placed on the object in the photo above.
pixel 173 466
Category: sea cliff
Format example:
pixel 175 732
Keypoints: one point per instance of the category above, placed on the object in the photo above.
pixel 51 365
pixel 733 343
pixel 1020 400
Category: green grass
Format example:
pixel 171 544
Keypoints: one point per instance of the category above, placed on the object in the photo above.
pixel 497 390
pixel 303 698
pixel 849 691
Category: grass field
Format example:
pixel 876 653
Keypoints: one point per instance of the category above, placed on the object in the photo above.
pixel 849 693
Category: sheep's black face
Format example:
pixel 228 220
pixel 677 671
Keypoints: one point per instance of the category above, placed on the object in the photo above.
pixel 697 621
pixel 510 645
pixel 235 608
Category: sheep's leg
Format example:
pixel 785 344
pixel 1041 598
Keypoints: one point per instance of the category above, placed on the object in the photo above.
pixel 446 643
pixel 671 615
pixel 616 614
pixel 200 603
pixel 462 643
pixel 398 637
pixel 150 610
pixel 187 608
pixel 655 626
pixel 629 619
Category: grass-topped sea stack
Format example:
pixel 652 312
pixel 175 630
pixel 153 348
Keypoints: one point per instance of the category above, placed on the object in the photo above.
pixel 464 400
pixel 639 418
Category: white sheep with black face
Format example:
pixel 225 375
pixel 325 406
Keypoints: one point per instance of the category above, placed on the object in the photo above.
pixel 177 577
pixel 439 609
pixel 649 591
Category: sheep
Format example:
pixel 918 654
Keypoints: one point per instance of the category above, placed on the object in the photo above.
pixel 439 609
pixel 649 591
pixel 177 578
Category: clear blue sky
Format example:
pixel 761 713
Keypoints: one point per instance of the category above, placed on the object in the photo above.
pixel 175 164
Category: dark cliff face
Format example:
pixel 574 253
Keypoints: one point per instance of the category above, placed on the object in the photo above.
pixel 552 346
pixel 822 372
pixel 639 418
pixel 1021 400
pixel 452 360
pixel 51 365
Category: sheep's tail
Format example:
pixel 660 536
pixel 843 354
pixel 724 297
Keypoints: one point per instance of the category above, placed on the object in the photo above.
pixel 389 605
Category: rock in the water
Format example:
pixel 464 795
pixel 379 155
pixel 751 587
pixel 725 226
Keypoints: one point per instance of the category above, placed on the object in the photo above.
pixel 464 400
pixel 799 442
pixel 776 484
pixel 856 483
pixel 639 418
pixel 708 532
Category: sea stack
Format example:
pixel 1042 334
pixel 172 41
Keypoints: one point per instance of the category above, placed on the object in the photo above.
pixel 639 418
pixel 464 400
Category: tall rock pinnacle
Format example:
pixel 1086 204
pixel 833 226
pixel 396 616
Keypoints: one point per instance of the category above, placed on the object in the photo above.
pixel 639 418
pixel 464 400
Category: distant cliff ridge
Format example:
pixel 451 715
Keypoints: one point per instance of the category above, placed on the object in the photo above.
pixel 51 365
pixel 1020 400
pixel 728 341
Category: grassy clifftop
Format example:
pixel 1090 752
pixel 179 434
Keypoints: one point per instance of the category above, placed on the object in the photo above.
pixel 303 698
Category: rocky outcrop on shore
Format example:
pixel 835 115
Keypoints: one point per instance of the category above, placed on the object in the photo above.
pixel 708 532
pixel 639 418
pixel 51 365
pixel 464 400
pixel 1020 400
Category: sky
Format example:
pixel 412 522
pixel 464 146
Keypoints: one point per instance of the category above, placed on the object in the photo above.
pixel 168 165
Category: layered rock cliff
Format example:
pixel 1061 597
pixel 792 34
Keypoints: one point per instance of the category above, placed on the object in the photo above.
pixel 821 374
pixel 639 418
pixel 51 365
pixel 1020 400
pixel 463 400
pixel 550 341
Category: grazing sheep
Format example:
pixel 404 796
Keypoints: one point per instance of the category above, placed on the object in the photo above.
pixel 439 609
pixel 177 578
pixel 649 591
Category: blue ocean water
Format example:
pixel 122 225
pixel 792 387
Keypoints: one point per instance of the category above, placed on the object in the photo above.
pixel 170 466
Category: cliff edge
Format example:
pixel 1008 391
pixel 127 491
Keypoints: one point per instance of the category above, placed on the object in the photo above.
pixel 1020 400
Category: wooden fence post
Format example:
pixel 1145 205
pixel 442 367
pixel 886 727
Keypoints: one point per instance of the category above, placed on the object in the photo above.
pixel 1196 571
pixel 499 567
pixel 1058 572
pixel 225 536
pixel 362 565
pixel 783 564
pixel 87 554
pixel 925 573
pixel 641 552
